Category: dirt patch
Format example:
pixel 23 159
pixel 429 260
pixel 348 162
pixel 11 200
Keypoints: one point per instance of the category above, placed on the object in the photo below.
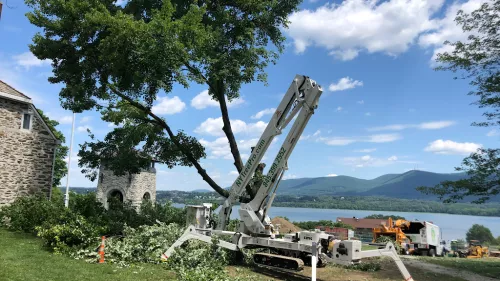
pixel 284 225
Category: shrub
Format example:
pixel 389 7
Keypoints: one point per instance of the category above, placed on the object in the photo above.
pixel 198 260
pixel 69 231
pixel 28 212
pixel 143 244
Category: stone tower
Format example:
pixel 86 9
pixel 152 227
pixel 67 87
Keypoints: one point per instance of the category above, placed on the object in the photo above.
pixel 133 188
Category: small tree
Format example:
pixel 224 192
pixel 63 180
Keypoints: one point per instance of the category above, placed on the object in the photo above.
pixel 481 233
pixel 478 59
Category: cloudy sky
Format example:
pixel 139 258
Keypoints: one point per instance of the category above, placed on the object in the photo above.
pixel 383 110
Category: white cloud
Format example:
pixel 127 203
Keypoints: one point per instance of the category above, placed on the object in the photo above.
pixel 384 138
pixel 370 161
pixel 204 100
pixel 392 158
pixel 368 114
pixel 450 147
pixel 353 26
pixel 233 173
pixel 28 60
pixel 168 106
pixel 213 127
pixel 447 29
pixel 65 119
pixel 380 138
pixel 219 148
pixel 85 119
pixel 423 126
pixel 493 133
pixel 368 150
pixel 361 102
pixel 331 175
pixel 289 176
pixel 84 128
pixel 345 83
pixel 339 108
pixel 264 112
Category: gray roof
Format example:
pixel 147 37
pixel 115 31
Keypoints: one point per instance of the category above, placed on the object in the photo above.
pixel 5 88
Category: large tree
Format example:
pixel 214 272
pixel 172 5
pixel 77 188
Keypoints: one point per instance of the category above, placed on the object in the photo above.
pixel 477 59
pixel 118 59
pixel 480 233
pixel 60 166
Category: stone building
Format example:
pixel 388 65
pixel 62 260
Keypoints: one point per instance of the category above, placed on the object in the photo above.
pixel 133 188
pixel 27 147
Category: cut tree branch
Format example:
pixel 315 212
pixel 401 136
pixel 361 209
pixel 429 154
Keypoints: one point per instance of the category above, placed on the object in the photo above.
pixel 174 139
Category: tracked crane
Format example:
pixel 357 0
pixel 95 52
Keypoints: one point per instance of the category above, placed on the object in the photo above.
pixel 255 229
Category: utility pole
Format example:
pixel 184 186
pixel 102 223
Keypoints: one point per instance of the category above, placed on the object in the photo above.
pixel 66 198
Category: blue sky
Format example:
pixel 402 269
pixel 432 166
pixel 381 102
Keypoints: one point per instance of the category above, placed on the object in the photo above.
pixel 383 110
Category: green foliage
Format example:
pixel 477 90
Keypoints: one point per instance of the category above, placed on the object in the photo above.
pixel 67 231
pixel 145 243
pixel 479 232
pixel 386 239
pixel 380 216
pixel 197 260
pixel 371 266
pixel 478 60
pixel 126 56
pixel 328 223
pixel 28 212
pixel 60 166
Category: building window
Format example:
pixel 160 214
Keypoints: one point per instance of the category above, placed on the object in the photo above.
pixel 26 121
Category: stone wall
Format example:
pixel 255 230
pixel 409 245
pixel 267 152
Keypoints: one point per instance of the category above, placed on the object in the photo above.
pixel 132 188
pixel 26 157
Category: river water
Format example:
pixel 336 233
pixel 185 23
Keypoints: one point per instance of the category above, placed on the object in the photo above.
pixel 452 226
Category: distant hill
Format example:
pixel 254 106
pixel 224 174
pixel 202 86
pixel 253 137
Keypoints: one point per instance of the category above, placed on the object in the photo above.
pixel 390 185
pixel 202 190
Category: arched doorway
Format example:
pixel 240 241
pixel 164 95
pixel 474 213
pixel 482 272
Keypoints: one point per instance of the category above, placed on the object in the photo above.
pixel 115 196
pixel 146 196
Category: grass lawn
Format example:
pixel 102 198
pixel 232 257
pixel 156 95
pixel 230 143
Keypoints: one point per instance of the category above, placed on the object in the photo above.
pixel 489 267
pixel 22 258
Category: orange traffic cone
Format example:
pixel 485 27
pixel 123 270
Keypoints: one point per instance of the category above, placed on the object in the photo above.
pixel 101 250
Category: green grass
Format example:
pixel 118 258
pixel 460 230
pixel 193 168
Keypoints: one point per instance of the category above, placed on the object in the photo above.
pixel 22 258
pixel 365 247
pixel 489 267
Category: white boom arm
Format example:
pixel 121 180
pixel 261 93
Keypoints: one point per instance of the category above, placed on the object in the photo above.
pixel 302 98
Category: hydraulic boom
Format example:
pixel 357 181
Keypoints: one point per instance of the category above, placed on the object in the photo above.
pixel 255 229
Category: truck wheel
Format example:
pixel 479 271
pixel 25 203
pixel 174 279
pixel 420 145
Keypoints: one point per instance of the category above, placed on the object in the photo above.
pixel 432 253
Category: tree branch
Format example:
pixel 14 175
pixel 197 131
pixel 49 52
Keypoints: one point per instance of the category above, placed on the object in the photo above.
pixel 218 89
pixel 174 139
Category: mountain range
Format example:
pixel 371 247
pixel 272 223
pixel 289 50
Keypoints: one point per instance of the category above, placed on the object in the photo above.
pixel 391 185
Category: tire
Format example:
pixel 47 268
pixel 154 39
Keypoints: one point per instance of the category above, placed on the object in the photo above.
pixel 432 253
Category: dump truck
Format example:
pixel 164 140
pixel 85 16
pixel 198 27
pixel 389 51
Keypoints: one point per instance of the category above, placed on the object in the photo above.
pixel 425 238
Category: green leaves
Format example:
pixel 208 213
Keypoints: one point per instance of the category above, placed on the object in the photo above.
pixel 117 60
pixel 481 233
pixel 477 59
pixel 482 183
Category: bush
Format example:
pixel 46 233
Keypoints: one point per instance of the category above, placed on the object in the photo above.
pixel 200 261
pixel 28 212
pixel 142 244
pixel 68 232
